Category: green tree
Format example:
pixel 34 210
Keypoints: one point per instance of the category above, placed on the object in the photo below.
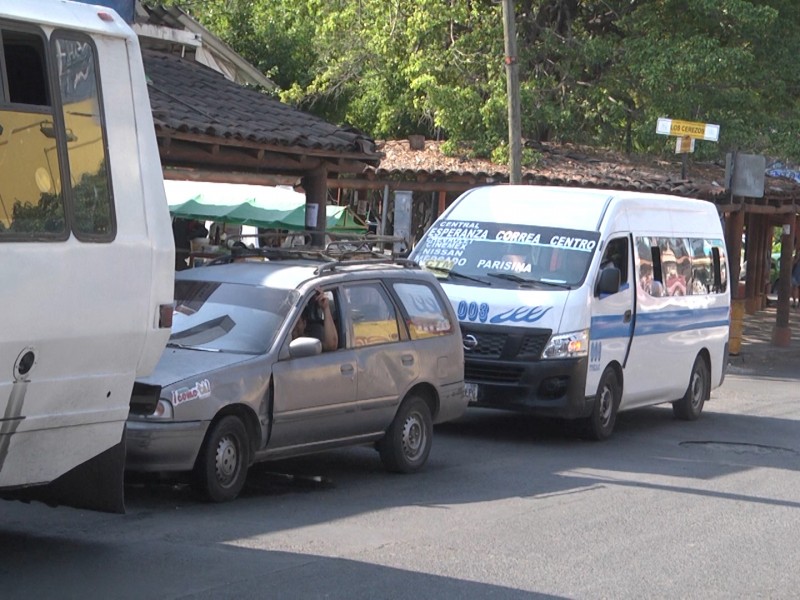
pixel 591 71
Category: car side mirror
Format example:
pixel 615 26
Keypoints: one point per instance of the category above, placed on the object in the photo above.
pixel 304 346
pixel 609 281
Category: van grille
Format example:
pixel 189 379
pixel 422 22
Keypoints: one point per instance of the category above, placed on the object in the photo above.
pixel 521 344
pixel 532 345
pixel 492 373
pixel 490 345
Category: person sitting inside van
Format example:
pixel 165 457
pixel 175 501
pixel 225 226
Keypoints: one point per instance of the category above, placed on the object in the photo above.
pixel 309 324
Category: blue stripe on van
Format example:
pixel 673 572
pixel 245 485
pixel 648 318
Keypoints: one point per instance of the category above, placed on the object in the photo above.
pixel 667 321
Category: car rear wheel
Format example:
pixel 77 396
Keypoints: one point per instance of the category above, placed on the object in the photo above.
pixel 690 406
pixel 221 467
pixel 407 443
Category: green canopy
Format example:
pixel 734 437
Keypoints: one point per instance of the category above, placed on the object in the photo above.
pixel 259 206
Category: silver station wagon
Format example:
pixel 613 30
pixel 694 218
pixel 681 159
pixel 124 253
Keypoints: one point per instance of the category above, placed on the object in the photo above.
pixel 276 357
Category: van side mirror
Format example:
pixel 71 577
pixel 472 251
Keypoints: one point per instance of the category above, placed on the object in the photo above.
pixel 609 281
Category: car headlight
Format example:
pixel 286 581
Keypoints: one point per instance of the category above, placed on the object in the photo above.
pixel 163 410
pixel 567 345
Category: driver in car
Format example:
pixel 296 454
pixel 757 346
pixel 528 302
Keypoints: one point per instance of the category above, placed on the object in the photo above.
pixel 325 331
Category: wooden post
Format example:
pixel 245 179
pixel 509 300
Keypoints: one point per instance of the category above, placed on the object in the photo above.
pixel 315 184
pixel 734 227
pixel 782 334
pixel 512 86
pixel 442 202
pixel 751 243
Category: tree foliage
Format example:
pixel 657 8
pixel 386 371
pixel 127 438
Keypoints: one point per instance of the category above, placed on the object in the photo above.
pixel 591 71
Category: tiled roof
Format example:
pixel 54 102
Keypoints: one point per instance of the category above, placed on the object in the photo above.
pixel 189 98
pixel 574 166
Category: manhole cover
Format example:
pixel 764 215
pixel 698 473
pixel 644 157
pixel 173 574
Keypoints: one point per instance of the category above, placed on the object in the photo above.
pixel 741 448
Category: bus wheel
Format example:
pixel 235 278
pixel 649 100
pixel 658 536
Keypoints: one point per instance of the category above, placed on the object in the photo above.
pixel 407 443
pixel 600 423
pixel 690 406
pixel 221 467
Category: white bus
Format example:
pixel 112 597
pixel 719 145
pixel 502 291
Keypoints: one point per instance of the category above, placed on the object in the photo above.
pixel 579 303
pixel 86 249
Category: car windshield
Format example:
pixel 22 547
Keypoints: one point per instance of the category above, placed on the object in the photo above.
pixel 228 317
pixel 506 254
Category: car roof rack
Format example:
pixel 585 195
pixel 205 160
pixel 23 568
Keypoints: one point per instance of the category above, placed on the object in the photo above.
pixel 344 249
pixel 336 264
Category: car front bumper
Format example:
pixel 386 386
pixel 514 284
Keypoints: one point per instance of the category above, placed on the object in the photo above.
pixel 163 446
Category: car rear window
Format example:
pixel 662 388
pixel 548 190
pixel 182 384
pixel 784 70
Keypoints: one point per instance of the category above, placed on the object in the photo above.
pixel 427 316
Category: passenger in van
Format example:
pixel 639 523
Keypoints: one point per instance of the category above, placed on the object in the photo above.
pixel 573 266
pixel 515 262
pixel 316 320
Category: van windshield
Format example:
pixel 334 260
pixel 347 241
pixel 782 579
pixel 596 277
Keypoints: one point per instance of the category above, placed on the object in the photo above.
pixel 506 254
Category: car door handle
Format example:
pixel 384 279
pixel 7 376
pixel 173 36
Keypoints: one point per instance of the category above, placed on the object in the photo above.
pixel 626 318
pixel 347 369
pixel 407 360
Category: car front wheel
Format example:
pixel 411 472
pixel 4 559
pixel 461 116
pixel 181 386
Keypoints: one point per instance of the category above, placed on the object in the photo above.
pixel 221 467
pixel 407 443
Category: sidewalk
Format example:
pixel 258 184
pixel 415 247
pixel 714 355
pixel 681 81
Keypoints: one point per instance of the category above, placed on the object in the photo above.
pixel 758 356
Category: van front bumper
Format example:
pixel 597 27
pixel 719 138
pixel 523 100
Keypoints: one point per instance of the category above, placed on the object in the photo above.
pixel 551 388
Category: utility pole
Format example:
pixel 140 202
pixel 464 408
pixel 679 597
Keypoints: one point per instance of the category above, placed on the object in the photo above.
pixel 512 85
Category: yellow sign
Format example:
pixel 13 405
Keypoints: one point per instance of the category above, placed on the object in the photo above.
pixel 692 129
pixel 684 145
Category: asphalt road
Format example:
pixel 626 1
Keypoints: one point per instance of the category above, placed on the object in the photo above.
pixel 508 507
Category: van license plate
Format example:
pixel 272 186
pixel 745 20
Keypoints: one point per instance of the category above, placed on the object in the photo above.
pixel 471 391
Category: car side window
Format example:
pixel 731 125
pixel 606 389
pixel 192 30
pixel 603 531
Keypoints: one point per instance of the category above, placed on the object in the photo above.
pixel 372 315
pixel 319 319
pixel 427 316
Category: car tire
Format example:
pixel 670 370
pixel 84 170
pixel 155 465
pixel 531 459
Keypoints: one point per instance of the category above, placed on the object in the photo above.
pixel 221 467
pixel 600 424
pixel 407 443
pixel 690 406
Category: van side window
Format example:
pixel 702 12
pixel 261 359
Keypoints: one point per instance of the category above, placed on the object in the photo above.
pixel 372 316
pixel 92 203
pixel 31 202
pixel 426 315
pixel 678 266
pixel 616 254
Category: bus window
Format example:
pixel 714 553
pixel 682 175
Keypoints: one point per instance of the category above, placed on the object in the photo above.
pixel 91 200
pixel 31 202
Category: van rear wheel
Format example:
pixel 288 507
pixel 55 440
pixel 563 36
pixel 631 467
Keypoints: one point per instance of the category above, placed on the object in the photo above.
pixel 690 406
pixel 600 424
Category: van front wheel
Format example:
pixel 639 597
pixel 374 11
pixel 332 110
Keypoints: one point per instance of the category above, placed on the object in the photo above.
pixel 601 422
pixel 690 406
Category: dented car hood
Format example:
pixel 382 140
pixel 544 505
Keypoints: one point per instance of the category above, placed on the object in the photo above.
pixel 178 364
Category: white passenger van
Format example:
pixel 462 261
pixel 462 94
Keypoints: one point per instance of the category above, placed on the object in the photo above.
pixel 86 249
pixel 579 303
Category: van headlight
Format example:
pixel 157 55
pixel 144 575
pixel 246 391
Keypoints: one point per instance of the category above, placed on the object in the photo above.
pixel 567 345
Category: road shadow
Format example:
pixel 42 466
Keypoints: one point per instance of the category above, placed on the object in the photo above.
pixel 49 565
